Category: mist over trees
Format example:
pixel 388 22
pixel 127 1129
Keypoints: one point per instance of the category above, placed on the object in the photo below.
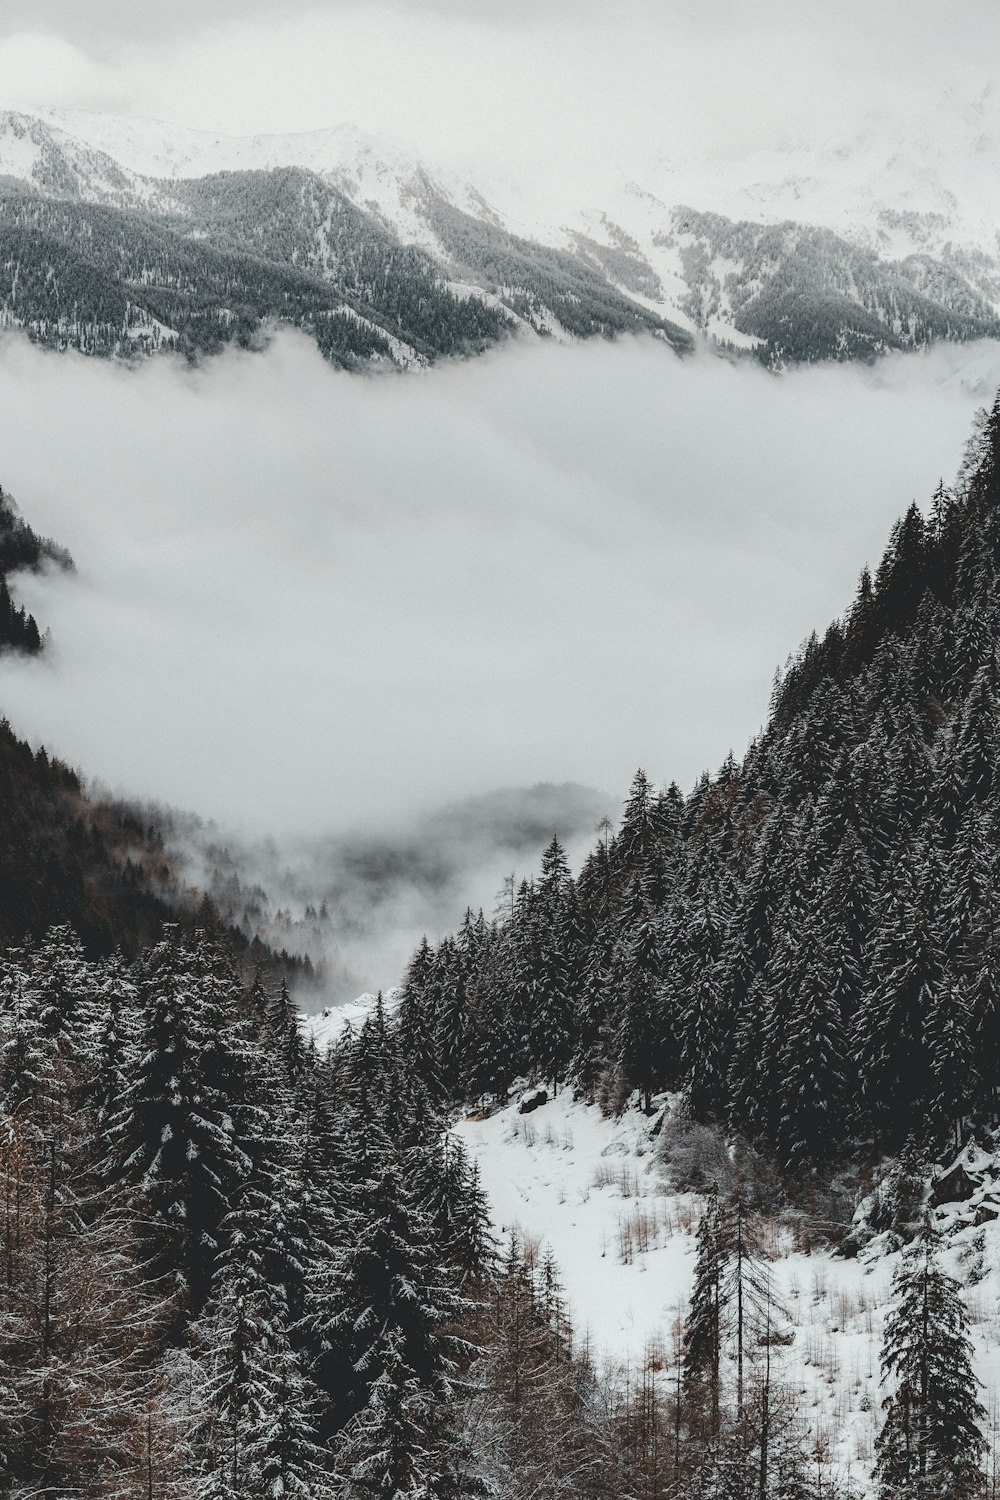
pixel 803 945
pixel 231 1266
pixel 21 549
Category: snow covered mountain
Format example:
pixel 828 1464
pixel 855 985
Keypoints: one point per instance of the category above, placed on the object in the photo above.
pixel 843 249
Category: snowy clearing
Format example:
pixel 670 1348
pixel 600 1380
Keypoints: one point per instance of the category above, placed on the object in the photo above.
pixel 592 1191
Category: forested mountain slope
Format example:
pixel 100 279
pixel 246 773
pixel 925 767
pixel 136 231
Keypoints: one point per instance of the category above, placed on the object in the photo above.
pixel 805 945
pixel 231 1267
pixel 96 258
pixel 234 1269
pixel 97 865
pixel 148 236
pixel 804 292
pixel 113 281
pixel 65 857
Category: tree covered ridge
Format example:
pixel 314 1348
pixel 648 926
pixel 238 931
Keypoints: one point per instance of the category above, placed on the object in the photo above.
pixel 806 945
pixel 22 549
pixel 806 293
pixel 98 865
pixel 196 265
pixel 217 265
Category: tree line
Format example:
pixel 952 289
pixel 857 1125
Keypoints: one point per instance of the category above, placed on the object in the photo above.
pixel 805 946
pixel 231 1267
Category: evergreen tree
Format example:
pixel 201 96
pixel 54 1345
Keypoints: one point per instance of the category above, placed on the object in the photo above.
pixel 384 1283
pixel 813 1060
pixel 931 1440
pixel 386 1451
pixel 175 1135
pixel 415 1019
pixel 263 1441
pixel 703 1329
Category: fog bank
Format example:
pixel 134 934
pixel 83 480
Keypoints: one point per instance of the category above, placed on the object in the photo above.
pixel 309 603
pixel 358 905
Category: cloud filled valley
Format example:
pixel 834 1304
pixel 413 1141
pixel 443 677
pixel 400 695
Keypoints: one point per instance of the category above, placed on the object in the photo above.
pixel 316 608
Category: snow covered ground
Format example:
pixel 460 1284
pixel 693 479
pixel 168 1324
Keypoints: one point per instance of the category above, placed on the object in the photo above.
pixel 324 1028
pixel 592 1190
pixel 579 1184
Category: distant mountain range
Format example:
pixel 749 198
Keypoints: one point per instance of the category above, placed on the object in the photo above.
pixel 121 236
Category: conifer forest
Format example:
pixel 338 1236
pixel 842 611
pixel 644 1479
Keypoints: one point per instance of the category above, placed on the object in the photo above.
pixel 416 416
pixel 237 1264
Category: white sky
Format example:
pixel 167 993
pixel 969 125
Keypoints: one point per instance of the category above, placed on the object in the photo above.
pixel 567 85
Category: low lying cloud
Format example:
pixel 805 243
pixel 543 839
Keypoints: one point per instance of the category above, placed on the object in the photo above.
pixel 556 92
pixel 359 904
pixel 309 604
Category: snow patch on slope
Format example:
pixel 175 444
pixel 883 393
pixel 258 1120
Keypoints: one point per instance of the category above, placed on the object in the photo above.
pixel 328 1025
pixel 592 1191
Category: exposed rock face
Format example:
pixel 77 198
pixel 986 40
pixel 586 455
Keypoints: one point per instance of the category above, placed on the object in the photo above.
pixel 955 1185
pixel 969 1189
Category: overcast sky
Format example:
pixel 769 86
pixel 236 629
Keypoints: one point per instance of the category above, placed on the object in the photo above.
pixel 513 82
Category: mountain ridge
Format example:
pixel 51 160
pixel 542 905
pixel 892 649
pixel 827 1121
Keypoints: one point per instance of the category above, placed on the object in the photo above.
pixel 839 252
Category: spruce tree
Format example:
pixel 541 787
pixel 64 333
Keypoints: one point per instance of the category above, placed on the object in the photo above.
pixel 703 1328
pixel 931 1441
pixel 175 1135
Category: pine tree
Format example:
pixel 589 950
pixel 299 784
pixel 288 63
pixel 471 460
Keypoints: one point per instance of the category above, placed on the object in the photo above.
pixel 175 1135
pixel 890 1041
pixel 386 1451
pixel 931 1440
pixel 385 1281
pixel 636 983
pixel 813 1060
pixel 451 1012
pixel 415 1021
pixel 637 836
pixel 447 1189
pixel 703 1329
pixel 263 1443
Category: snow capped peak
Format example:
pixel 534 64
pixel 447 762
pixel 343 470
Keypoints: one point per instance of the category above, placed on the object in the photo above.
pixel 940 161
pixel 374 172
pixel 50 159
pixel 683 238
pixel 157 148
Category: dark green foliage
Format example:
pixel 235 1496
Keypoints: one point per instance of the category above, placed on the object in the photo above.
pixel 931 1442
pixel 807 945
pixel 218 260
pixel 807 294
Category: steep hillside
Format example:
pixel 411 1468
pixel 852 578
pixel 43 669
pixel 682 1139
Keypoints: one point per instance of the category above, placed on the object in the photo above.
pixel 739 1078
pixel 96 258
pixel 225 261
pixel 66 857
pixel 805 293
pixel 805 946
pixel 884 240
